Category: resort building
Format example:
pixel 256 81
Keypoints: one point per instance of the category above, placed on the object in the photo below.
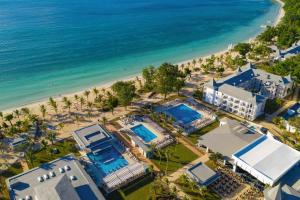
pixel 287 53
pixel 110 164
pixel 228 138
pixel 245 92
pixel 145 134
pixel 292 112
pixel 60 179
pixel 188 115
pixel 266 159
pixel 202 175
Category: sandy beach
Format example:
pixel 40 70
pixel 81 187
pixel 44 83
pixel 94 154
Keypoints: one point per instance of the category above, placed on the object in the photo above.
pixel 34 106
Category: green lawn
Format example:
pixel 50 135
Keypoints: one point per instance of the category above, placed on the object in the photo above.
pixel 139 189
pixel 12 171
pixel 64 148
pixel 179 156
pixel 193 137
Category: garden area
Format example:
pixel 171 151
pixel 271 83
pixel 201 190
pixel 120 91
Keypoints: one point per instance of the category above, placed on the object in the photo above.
pixel 173 158
pixel 194 191
pixel 11 171
pixel 140 189
pixel 48 153
pixel 193 137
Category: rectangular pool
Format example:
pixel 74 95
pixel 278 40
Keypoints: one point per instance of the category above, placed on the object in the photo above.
pixel 108 160
pixel 183 113
pixel 145 134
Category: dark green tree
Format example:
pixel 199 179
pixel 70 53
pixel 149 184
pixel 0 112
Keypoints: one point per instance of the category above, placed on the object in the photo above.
pixel 125 92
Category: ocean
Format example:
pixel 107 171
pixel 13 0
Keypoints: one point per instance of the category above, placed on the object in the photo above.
pixel 52 47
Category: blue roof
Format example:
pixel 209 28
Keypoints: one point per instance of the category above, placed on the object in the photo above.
pixel 291 50
pixel 292 111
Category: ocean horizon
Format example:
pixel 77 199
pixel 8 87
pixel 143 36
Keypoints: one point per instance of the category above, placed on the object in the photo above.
pixel 57 47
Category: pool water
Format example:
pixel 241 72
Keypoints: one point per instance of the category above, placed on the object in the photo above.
pixel 183 113
pixel 144 133
pixel 108 160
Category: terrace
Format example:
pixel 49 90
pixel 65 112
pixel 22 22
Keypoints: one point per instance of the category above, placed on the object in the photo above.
pixel 188 114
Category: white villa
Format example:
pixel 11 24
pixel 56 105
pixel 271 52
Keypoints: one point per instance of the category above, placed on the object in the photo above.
pixel 245 92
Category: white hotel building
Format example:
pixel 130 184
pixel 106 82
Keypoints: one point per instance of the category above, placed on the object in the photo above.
pixel 245 92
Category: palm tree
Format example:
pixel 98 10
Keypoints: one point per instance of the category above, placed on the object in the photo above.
pixel 82 102
pixel 17 113
pixel 193 185
pixel 77 119
pixel 200 60
pixel 65 99
pixel 53 104
pixel 167 155
pixel 90 106
pixel 51 136
pixel 44 144
pixel 8 118
pixel 61 126
pixel 29 154
pixel 96 92
pixel 76 97
pixel 68 105
pixel 194 62
pixel 25 111
pixel 43 110
pixel 87 93
pixel 104 120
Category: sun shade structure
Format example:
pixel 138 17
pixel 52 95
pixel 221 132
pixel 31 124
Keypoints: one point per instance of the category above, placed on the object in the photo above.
pixel 91 136
pixel 202 174
pixel 266 159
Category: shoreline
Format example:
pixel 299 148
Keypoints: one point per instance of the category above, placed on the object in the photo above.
pixel 37 103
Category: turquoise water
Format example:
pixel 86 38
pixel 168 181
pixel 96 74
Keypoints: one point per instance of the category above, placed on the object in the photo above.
pixel 57 46
pixel 144 133
pixel 183 113
pixel 108 160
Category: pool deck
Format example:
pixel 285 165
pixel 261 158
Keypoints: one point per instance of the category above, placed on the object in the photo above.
pixel 207 115
pixel 155 130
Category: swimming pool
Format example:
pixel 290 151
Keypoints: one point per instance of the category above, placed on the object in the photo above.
pixel 108 160
pixel 144 133
pixel 183 113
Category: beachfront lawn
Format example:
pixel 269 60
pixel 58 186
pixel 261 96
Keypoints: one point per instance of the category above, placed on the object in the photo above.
pixel 193 137
pixel 64 147
pixel 179 155
pixel 11 171
pixel 139 189
pixel 193 191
